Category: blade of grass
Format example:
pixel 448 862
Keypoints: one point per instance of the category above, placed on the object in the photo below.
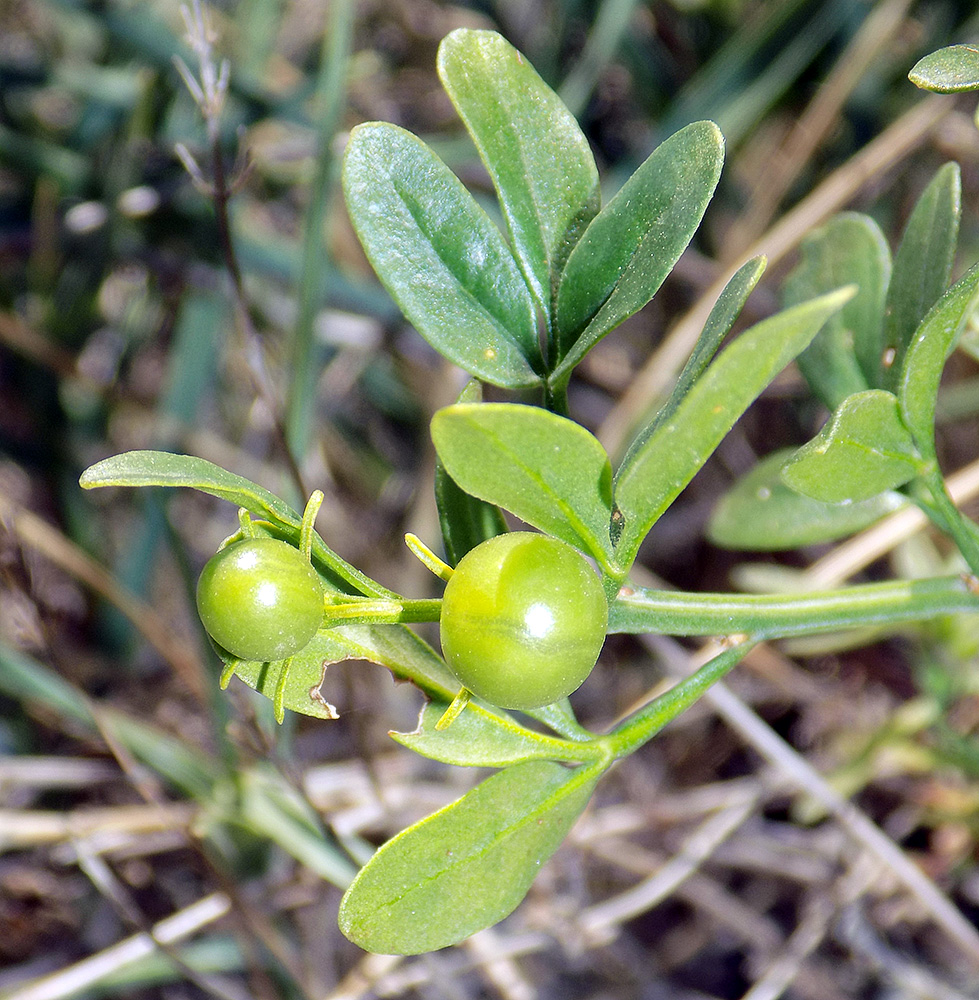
pixel 331 99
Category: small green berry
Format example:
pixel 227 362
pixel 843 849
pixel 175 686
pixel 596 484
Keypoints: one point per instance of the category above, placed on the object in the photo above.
pixel 260 599
pixel 523 620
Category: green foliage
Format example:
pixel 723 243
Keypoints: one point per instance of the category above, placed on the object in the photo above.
pixel 761 513
pixel 632 244
pixel 862 451
pixel 540 162
pixel 521 315
pixel 468 865
pixel 544 468
pixel 440 256
pixel 948 71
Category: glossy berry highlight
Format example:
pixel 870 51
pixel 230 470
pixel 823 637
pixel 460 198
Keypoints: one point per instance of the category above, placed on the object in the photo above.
pixel 523 620
pixel 260 599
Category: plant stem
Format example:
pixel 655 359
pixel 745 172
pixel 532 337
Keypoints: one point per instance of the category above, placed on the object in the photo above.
pixel 955 522
pixel 770 616
pixel 648 721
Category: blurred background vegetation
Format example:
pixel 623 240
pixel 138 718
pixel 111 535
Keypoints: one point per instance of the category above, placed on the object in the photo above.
pixel 714 864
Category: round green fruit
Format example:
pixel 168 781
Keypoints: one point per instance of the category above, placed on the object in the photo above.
pixel 523 620
pixel 260 599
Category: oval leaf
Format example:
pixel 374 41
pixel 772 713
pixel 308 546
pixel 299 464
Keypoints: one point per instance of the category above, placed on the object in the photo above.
pixel 468 865
pixel 160 468
pixel 845 356
pixel 544 468
pixel 948 70
pixel 633 243
pixel 863 450
pixel 761 514
pixel 652 476
pixel 539 160
pixel 922 267
pixel 439 255
pixel 923 364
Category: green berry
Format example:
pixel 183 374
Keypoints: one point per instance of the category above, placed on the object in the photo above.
pixel 523 620
pixel 260 599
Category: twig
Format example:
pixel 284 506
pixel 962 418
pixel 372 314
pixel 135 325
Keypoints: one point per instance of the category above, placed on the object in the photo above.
pixel 792 765
pixel 597 920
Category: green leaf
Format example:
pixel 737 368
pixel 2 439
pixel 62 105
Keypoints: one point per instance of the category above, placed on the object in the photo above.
pixel 465 520
pixel 925 359
pixel 544 468
pixel 863 450
pixel 274 810
pixel 725 311
pixel 654 475
pixel 481 738
pixel 948 71
pixel 633 243
pixel 760 513
pixel 439 255
pixel 161 468
pixel 845 356
pixel 468 865
pixel 921 268
pixel 394 647
pixel 539 160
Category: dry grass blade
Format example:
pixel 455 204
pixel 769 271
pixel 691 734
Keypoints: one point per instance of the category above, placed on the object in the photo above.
pixel 85 974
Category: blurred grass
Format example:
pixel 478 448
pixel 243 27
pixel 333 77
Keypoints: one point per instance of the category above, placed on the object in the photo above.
pixel 120 328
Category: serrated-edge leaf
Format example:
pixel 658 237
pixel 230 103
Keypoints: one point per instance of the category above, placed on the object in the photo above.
pixel 863 450
pixel 440 256
pixel 926 355
pixel 545 468
pixel 922 267
pixel 162 468
pixel 655 474
pixel 632 244
pixel 468 865
pixel 950 70
pixel 537 156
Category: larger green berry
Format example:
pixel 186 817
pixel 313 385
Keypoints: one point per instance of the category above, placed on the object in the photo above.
pixel 260 599
pixel 523 620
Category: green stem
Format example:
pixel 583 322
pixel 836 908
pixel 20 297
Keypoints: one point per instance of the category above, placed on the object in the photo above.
pixel 648 721
pixel 381 612
pixel 955 522
pixel 770 616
